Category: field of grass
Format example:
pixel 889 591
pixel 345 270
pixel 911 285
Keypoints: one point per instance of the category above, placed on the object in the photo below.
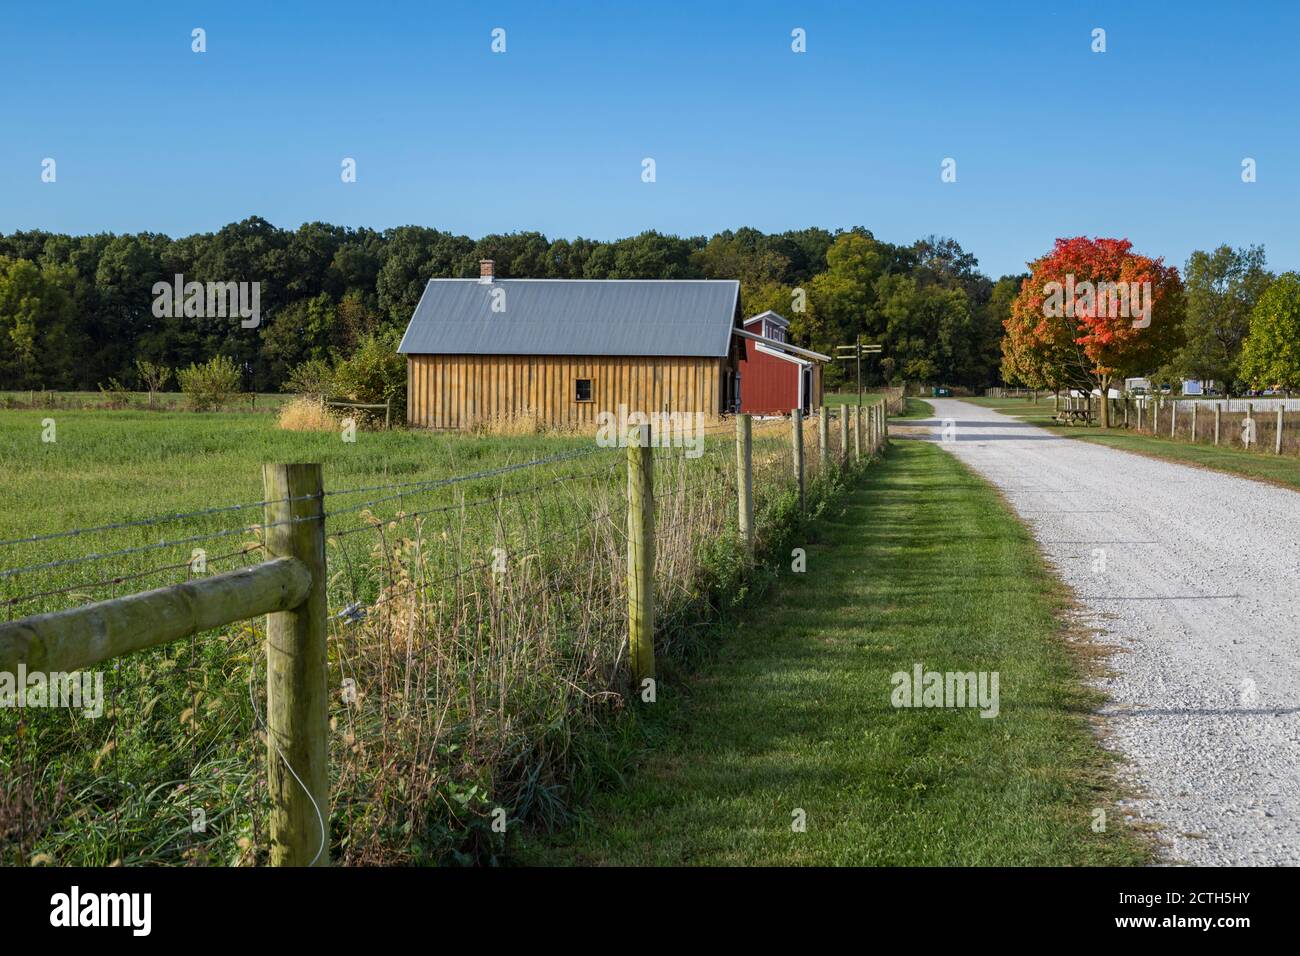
pixel 117 465
pixel 475 689
pixel 850 398
pixel 915 407
pixel 923 563
pixel 1260 465
pixel 163 401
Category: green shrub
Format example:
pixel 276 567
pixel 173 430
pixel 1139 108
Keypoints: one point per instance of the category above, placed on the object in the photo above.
pixel 375 373
pixel 210 385
pixel 116 395
pixel 312 379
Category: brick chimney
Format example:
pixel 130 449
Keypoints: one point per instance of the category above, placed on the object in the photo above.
pixel 486 270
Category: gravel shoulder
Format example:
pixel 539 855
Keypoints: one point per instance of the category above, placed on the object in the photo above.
pixel 1192 576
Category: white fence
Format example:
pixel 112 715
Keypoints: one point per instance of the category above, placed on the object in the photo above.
pixel 1228 404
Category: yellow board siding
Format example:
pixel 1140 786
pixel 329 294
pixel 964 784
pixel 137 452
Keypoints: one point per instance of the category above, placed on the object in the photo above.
pixel 456 391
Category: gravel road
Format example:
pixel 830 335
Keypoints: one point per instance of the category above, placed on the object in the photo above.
pixel 1198 591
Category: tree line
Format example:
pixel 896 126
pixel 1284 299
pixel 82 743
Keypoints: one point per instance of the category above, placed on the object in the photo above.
pixel 77 312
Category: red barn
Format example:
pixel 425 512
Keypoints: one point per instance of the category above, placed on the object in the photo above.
pixel 775 376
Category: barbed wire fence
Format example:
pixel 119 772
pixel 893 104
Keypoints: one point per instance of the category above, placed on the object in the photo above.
pixel 477 626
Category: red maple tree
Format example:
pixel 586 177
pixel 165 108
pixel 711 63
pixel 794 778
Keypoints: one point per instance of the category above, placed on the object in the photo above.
pixel 1092 311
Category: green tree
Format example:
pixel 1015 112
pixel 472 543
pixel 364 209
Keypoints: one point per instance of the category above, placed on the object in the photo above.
pixel 929 329
pixel 1222 288
pixel 992 318
pixel 36 317
pixel 769 296
pixel 746 255
pixel 841 300
pixel 153 377
pixel 1270 357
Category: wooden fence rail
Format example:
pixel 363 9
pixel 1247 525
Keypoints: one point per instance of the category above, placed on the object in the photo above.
pixel 85 636
pixel 386 406
pixel 289 588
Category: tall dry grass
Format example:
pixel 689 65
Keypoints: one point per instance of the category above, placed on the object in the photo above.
pixel 308 415
pixel 480 681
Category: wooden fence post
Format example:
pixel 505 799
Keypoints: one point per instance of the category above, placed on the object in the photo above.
pixel 641 555
pixel 844 434
pixel 1194 407
pixel 1277 443
pixel 1250 432
pixel 857 433
pixel 1139 405
pixel 297 693
pixel 1218 407
pixel 823 439
pixel 1173 418
pixel 796 423
pixel 745 477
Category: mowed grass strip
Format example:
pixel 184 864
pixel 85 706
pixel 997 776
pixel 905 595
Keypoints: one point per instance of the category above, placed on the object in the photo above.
pixel 1261 465
pixel 922 564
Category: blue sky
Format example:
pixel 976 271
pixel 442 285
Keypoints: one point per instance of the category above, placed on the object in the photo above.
pixel 1144 141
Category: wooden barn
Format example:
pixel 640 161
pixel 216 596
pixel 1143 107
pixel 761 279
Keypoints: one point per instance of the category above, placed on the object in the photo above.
pixel 561 351
pixel 775 376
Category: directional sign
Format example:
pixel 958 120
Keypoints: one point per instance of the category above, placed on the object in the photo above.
pixel 855 352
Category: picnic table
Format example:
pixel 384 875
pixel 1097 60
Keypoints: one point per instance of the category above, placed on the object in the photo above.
pixel 1075 412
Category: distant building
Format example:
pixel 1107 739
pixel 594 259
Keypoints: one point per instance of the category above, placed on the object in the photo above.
pixel 561 351
pixel 775 376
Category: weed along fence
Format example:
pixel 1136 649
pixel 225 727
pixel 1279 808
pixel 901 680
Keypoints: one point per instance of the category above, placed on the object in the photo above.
pixel 396 672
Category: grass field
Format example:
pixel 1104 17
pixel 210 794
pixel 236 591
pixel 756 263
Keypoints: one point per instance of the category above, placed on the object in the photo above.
pixel 849 398
pixel 163 401
pixel 914 408
pixel 117 465
pixel 923 563
pixel 1260 465
pixel 475 689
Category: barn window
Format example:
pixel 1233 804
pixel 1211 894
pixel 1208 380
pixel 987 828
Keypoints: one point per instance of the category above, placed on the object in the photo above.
pixel 582 390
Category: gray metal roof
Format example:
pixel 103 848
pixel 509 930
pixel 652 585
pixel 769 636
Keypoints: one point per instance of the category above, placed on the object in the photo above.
pixel 574 317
